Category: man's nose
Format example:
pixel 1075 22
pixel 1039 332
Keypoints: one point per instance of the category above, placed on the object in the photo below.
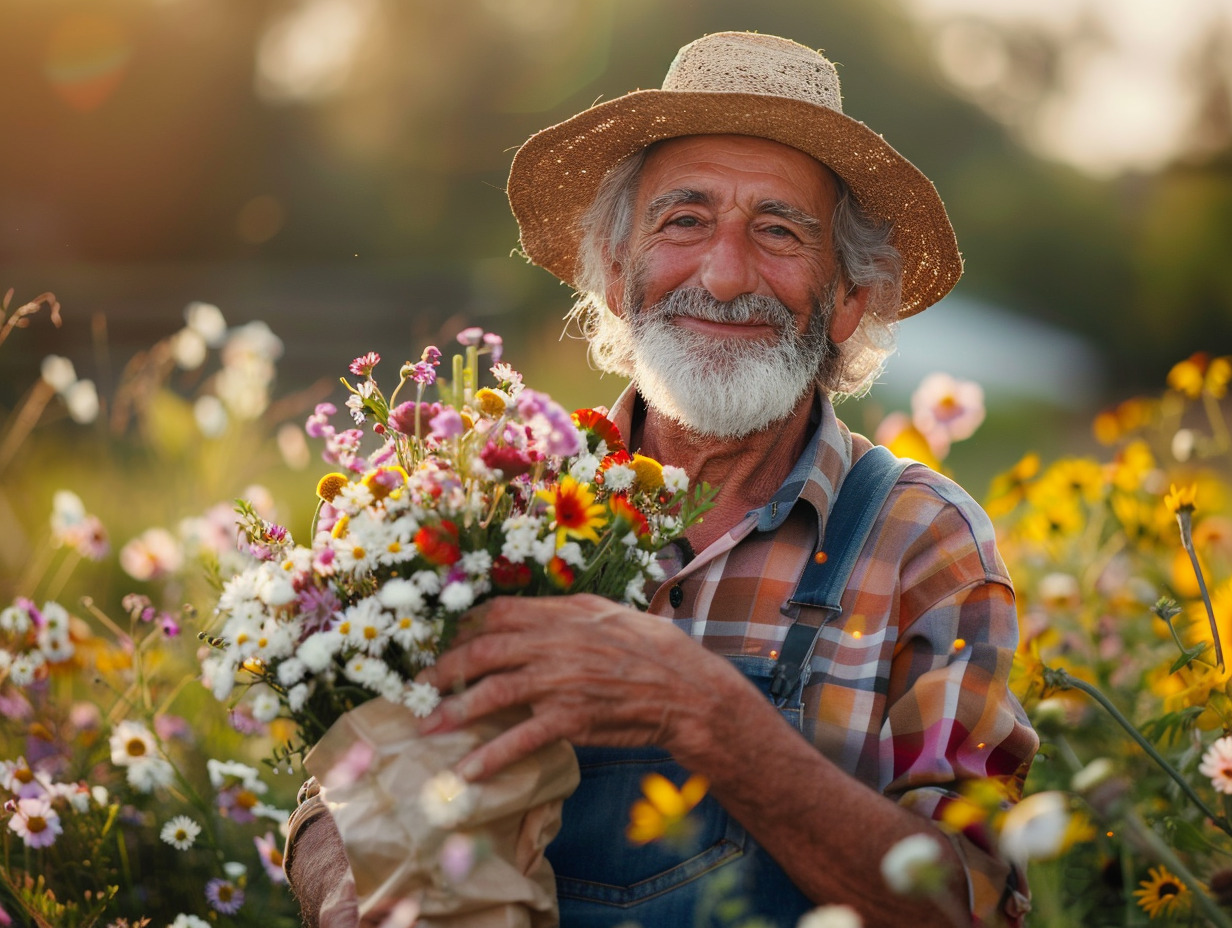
pixel 728 269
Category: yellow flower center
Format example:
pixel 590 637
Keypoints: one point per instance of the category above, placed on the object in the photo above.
pixel 135 747
pixel 370 632
pixel 35 824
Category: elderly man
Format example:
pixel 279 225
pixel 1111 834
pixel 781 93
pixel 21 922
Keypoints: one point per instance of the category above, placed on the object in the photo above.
pixel 742 249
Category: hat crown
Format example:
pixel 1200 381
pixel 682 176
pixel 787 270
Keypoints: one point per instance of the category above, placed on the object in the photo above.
pixel 748 62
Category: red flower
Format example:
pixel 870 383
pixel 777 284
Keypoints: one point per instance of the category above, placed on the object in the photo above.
pixel 438 544
pixel 509 461
pixel 509 577
pixel 596 426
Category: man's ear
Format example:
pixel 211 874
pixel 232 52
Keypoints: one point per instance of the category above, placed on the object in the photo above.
pixel 614 290
pixel 849 309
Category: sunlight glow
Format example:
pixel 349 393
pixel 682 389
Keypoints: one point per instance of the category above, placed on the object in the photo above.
pixel 1109 85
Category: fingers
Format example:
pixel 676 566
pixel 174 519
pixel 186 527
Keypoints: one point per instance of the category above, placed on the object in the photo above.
pixel 507 748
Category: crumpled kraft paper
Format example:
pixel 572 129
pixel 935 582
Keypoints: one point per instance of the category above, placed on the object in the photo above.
pixel 372 765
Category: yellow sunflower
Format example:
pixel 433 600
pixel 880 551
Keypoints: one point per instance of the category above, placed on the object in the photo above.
pixel 1162 894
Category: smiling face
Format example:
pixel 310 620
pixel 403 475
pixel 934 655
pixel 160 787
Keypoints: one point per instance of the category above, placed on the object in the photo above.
pixel 728 281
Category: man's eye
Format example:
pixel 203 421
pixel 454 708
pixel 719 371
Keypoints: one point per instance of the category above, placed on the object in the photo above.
pixel 780 231
pixel 685 222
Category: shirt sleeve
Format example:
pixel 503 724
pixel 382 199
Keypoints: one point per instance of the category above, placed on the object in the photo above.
pixel 951 717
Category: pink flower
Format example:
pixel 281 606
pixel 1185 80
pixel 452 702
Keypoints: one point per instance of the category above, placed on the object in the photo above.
pixel 363 365
pixel 471 336
pixel 152 554
pixel 447 424
pixel 402 416
pixel 270 852
pixel 1217 764
pixel 946 410
pixel 36 822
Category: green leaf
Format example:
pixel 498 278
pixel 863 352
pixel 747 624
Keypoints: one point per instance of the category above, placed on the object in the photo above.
pixel 1187 656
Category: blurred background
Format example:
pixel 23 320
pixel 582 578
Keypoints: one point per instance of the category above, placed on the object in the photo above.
pixel 336 168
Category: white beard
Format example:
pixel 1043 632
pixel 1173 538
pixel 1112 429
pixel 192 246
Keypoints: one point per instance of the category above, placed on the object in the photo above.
pixel 725 387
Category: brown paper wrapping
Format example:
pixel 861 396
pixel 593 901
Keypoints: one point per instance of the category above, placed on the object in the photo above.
pixel 372 764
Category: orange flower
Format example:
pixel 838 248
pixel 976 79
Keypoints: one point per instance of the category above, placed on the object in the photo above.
pixel 625 513
pixel 573 508
pixel 560 573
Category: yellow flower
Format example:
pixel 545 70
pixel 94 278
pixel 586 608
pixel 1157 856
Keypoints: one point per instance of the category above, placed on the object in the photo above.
pixel 329 486
pixel 1187 376
pixel 491 402
pixel 1183 497
pixel 911 443
pixel 385 481
pixel 1162 893
pixel 1009 489
pixel 573 508
pixel 662 813
pixel 648 473
pixel 1131 465
pixel 1200 373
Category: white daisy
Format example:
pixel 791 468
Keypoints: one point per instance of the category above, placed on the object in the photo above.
pixel 131 743
pixel 401 596
pixel 318 651
pixel 366 625
pixel 675 479
pixel 25 667
pixel 180 832
pixel 150 774
pixel 266 705
pixel 476 563
pixel 457 597
pixel 619 477
pixel 14 620
pixel 421 698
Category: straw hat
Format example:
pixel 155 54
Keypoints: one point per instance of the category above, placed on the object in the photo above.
pixel 744 84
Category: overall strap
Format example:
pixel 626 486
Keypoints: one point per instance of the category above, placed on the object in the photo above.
pixel 860 498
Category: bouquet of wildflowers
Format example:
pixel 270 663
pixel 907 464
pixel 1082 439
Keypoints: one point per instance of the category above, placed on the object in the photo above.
pixel 478 492
pixel 484 491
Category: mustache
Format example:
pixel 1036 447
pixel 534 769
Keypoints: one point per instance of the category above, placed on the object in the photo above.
pixel 744 309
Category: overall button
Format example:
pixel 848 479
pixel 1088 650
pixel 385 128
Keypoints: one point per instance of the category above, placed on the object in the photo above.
pixel 675 596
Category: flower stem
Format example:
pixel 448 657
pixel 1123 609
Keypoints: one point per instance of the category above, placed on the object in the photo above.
pixel 1062 680
pixel 1184 518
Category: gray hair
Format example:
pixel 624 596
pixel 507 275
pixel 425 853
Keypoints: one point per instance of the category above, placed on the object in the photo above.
pixel 861 244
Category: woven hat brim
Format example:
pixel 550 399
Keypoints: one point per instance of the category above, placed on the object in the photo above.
pixel 557 172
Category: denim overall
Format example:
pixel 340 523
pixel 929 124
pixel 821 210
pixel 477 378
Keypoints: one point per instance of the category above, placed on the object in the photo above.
pixel 722 877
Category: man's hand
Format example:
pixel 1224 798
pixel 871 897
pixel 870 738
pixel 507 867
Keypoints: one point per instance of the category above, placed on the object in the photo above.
pixel 592 672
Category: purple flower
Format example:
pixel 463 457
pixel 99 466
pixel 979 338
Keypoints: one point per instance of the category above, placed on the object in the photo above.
pixel 551 426
pixel 27 606
pixel 317 606
pixel 447 424
pixel 471 336
pixel 224 896
pixel 363 365
pixel 171 628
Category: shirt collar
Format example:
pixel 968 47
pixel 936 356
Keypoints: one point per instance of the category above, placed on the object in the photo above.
pixel 814 478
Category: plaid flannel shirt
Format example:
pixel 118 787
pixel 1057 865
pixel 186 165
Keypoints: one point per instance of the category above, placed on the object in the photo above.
pixel 908 688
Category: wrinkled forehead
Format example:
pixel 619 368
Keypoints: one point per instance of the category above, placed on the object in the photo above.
pixel 738 164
